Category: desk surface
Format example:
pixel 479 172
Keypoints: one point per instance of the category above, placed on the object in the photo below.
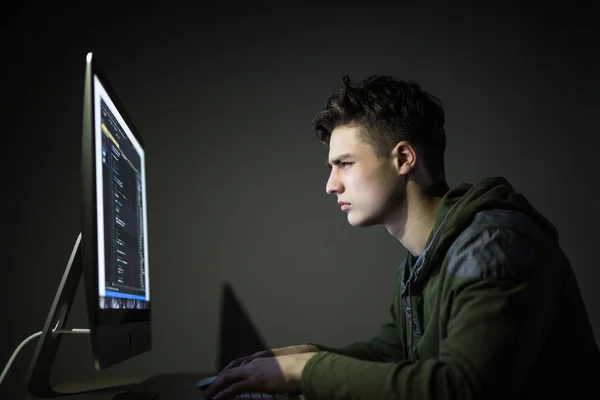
pixel 166 386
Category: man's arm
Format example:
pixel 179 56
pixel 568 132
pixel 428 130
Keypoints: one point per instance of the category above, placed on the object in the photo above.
pixel 499 306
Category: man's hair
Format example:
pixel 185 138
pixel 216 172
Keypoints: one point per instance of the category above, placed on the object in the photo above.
pixel 388 111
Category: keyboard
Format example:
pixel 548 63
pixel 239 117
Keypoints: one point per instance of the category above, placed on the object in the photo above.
pixel 254 396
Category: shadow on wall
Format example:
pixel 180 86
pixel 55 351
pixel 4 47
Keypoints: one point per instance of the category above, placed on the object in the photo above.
pixel 237 335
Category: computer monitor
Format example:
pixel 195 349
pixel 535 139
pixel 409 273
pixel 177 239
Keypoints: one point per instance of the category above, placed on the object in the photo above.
pixel 111 252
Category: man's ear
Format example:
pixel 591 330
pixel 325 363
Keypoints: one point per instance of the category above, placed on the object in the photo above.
pixel 404 157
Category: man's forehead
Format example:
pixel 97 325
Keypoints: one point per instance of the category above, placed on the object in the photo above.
pixel 343 140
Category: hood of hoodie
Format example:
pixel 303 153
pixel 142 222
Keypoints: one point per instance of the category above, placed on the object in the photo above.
pixel 458 209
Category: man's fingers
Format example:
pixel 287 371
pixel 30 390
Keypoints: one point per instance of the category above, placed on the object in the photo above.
pixel 247 361
pixel 223 380
pixel 241 362
pixel 236 362
pixel 240 387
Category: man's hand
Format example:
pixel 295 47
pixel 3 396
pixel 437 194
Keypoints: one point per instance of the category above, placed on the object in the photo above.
pixel 282 351
pixel 273 375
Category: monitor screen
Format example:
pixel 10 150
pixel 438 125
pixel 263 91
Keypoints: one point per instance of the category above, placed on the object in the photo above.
pixel 122 246
pixel 114 224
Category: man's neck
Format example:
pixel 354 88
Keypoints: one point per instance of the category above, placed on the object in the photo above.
pixel 413 221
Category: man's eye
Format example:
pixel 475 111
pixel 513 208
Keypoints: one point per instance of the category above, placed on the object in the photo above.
pixel 345 164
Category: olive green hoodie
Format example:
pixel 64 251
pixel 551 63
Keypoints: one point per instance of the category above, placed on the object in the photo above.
pixel 490 309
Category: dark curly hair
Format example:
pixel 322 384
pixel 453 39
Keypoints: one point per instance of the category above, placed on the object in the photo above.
pixel 388 111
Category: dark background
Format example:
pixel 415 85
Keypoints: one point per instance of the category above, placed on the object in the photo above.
pixel 223 94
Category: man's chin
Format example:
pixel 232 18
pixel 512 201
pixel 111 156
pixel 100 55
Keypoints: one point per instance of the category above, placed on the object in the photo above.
pixel 360 222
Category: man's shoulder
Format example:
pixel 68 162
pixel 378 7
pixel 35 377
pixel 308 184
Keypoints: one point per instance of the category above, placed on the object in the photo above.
pixel 499 243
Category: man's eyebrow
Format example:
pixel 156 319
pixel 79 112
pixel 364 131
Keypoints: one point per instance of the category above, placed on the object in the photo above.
pixel 337 160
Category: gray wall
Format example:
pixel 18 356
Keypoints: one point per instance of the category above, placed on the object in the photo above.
pixel 223 96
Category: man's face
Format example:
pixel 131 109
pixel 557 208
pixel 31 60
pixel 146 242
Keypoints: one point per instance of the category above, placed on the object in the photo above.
pixel 367 185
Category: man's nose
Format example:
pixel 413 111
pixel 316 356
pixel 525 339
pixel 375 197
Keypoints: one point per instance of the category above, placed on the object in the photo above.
pixel 334 185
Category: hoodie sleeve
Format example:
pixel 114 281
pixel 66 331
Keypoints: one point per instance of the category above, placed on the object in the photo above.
pixel 385 346
pixel 498 307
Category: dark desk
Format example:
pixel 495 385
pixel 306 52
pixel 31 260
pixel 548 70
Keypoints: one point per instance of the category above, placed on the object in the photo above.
pixel 166 386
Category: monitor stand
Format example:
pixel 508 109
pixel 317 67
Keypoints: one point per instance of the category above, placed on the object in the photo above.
pixel 39 384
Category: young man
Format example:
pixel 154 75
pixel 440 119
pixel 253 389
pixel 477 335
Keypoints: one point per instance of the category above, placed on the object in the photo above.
pixel 486 303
